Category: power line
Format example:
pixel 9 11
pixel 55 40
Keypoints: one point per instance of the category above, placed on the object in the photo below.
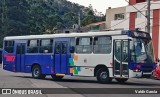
pixel 136 8
pixel 118 23
pixel 125 19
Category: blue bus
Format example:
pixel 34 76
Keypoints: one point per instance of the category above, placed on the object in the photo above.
pixel 105 55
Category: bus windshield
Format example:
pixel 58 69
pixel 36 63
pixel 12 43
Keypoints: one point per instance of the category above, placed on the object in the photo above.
pixel 141 51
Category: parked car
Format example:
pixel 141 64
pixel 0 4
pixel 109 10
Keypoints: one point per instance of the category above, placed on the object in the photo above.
pixel 156 72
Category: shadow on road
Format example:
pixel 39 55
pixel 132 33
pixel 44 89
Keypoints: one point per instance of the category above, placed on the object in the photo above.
pixel 94 81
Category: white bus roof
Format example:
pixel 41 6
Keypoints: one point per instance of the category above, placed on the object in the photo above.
pixel 117 32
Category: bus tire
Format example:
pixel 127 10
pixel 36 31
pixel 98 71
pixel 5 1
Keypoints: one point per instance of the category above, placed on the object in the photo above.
pixel 54 77
pixel 103 76
pixel 36 72
pixel 121 80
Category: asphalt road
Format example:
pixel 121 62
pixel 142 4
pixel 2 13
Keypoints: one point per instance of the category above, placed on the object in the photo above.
pixel 21 80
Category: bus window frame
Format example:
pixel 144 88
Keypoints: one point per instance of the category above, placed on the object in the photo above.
pixel 103 36
pixel 52 45
pixel 4 45
pixel 84 45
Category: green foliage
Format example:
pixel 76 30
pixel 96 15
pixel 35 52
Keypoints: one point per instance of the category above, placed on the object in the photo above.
pixel 23 17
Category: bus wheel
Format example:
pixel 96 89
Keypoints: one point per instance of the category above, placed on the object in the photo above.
pixel 103 76
pixel 56 77
pixel 121 80
pixel 36 72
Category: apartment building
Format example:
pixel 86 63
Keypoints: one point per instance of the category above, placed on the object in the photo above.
pixel 134 16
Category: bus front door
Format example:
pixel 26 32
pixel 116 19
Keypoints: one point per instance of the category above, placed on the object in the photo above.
pixel 20 57
pixel 61 57
pixel 120 60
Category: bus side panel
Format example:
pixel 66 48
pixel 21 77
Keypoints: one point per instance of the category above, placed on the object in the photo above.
pixel 45 62
pixel 23 62
pixel 64 63
pixel 18 63
pixel 69 56
pixel 57 65
pixel 9 62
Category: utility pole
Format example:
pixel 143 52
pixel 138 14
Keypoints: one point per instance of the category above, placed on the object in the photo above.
pixel 148 15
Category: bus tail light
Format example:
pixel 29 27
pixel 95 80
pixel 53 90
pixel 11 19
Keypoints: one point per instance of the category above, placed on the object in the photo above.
pixel 52 70
pixel 138 66
pixel 136 70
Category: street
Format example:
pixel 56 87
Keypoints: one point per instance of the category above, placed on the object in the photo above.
pixel 22 80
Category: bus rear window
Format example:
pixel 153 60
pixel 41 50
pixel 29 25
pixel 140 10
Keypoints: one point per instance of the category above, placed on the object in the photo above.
pixel 9 46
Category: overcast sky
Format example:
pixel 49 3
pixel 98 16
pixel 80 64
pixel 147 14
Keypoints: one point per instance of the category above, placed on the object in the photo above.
pixel 101 5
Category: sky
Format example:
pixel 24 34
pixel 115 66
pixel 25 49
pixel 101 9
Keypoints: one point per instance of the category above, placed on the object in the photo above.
pixel 101 5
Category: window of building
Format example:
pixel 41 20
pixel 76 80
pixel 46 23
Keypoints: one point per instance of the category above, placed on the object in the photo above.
pixel 9 46
pixel 138 15
pixel 102 44
pixel 84 45
pixel 46 46
pixel 119 16
pixel 32 46
pixel 97 27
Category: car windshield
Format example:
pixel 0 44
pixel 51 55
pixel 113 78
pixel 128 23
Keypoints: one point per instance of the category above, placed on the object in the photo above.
pixel 141 51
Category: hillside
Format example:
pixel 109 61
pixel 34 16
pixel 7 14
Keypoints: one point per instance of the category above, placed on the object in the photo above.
pixel 21 17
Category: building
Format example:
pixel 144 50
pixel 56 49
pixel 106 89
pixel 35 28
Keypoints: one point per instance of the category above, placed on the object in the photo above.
pixel 134 16
pixel 114 18
pixel 95 26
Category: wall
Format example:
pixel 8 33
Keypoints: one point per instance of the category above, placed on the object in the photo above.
pixel 110 16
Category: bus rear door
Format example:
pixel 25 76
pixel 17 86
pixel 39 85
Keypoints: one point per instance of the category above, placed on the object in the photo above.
pixel 20 57
pixel 61 55
pixel 120 60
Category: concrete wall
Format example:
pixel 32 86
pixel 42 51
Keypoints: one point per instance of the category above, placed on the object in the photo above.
pixel 110 13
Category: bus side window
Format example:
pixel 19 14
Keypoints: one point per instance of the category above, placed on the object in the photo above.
pixel 102 45
pixel 64 48
pixel 9 46
pixel 84 45
pixel 46 46
pixel 32 46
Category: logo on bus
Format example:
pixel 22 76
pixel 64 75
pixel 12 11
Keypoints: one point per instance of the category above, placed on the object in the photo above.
pixel 10 58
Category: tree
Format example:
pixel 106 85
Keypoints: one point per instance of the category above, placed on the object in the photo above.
pixel 90 18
